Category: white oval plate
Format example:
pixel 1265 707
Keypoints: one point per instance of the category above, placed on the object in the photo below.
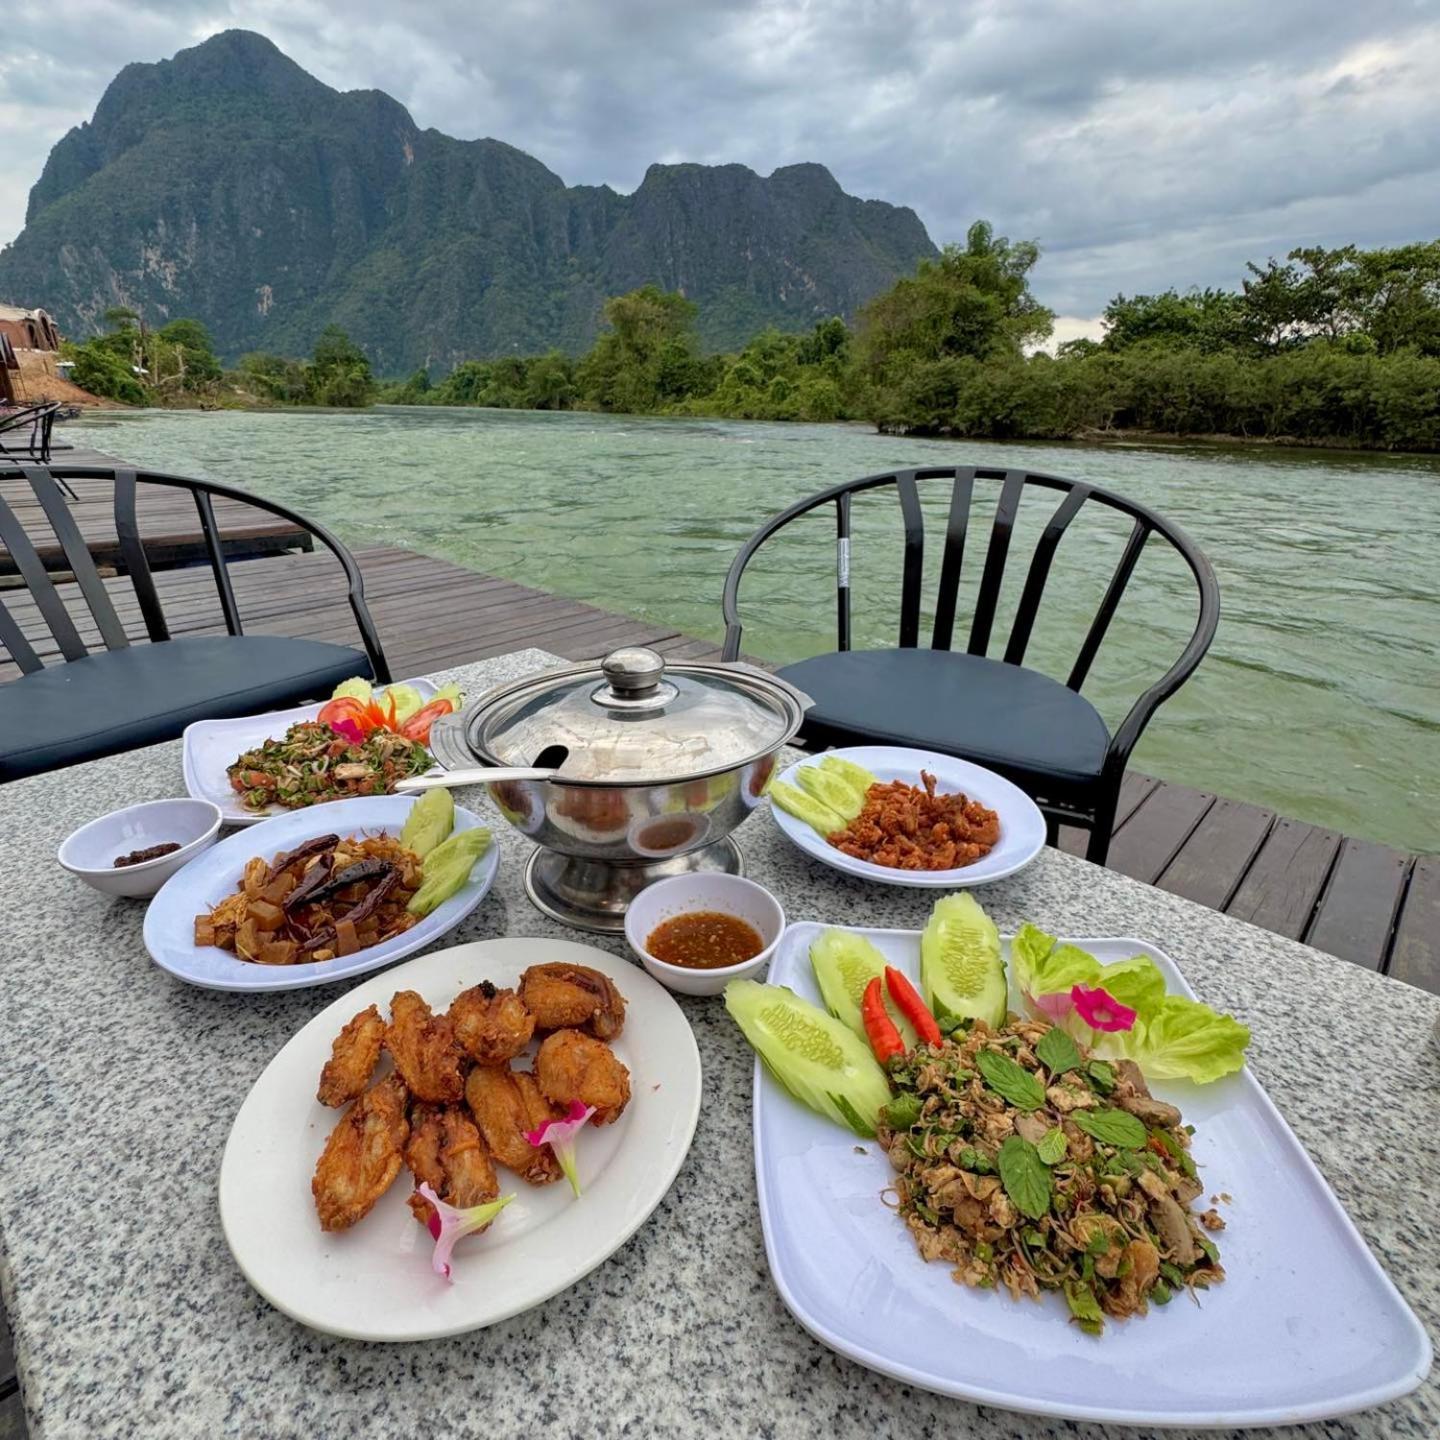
pixel 1022 826
pixel 209 746
pixel 374 1281
pixel 1306 1325
pixel 216 873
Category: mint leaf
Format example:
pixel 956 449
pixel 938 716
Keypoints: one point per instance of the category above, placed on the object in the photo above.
pixel 1101 1075
pixel 1051 1146
pixel 1024 1176
pixel 1084 1307
pixel 1012 1081
pixel 1112 1127
pixel 902 1112
pixel 1057 1053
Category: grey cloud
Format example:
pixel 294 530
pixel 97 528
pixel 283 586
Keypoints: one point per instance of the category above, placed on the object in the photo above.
pixel 1144 144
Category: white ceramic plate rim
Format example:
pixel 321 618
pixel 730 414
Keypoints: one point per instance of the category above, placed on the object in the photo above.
pixel 1020 817
pixel 768 1093
pixel 654 1137
pixel 241 733
pixel 218 871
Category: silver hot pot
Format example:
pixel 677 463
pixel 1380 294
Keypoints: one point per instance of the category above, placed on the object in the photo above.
pixel 621 772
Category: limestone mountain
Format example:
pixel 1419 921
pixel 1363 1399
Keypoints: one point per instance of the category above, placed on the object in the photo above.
pixel 230 185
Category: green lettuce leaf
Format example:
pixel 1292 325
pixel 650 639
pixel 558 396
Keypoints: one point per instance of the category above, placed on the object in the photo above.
pixel 1183 1040
pixel 1066 966
pixel 1027 955
pixel 1136 983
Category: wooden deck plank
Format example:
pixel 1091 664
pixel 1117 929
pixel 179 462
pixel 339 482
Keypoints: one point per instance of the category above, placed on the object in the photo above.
pixel 1356 913
pixel 1134 787
pixel 1210 865
pixel 1283 884
pixel 1415 953
pixel 1153 833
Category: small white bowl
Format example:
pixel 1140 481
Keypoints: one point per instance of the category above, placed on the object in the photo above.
pixel 682 894
pixel 92 850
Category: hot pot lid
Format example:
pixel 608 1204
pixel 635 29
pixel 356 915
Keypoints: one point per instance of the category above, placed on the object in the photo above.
pixel 632 719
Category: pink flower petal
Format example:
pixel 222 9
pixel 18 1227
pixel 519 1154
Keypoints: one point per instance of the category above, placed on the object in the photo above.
pixel 560 1136
pixel 1100 1010
pixel 449 1225
pixel 1055 1007
pixel 348 730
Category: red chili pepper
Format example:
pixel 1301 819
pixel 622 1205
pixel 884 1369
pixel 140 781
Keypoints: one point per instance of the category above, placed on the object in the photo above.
pixel 885 1039
pixel 912 1007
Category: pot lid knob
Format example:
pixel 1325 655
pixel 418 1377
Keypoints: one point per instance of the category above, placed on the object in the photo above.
pixel 635 673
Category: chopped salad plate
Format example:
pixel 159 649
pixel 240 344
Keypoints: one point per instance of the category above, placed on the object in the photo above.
pixel 217 872
pixel 1305 1326
pixel 374 1281
pixel 209 747
pixel 1022 826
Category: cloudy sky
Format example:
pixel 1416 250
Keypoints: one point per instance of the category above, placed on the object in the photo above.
pixel 1144 143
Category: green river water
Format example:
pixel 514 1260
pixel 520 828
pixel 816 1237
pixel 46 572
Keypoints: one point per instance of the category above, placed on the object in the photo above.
pixel 1320 697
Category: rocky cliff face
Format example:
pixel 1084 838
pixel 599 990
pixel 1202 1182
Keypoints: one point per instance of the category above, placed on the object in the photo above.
pixel 229 185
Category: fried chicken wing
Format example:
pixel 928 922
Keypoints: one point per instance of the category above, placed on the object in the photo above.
pixel 573 997
pixel 574 1066
pixel 446 1152
pixel 536 1107
pixel 424 1050
pixel 492 1025
pixel 362 1155
pixel 353 1058
pixel 499 1106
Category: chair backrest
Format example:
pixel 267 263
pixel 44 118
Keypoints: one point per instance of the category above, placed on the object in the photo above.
pixel 1013 485
pixel 19 535
pixel 39 420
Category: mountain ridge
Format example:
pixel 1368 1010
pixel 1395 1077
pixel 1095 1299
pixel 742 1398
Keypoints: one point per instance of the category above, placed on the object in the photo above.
pixel 229 184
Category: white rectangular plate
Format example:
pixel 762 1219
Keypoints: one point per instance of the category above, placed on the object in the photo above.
pixel 212 745
pixel 1305 1326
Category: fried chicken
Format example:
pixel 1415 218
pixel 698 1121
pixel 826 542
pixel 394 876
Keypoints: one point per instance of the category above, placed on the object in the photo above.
pixel 573 997
pixel 574 1066
pixel 424 1050
pixel 499 1105
pixel 353 1058
pixel 447 1153
pixel 492 1025
pixel 362 1156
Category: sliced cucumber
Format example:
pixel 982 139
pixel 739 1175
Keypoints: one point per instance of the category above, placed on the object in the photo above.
pixel 844 964
pixel 830 789
pixel 447 868
pixel 430 820
pixel 856 776
pixel 821 1062
pixel 962 973
pixel 815 813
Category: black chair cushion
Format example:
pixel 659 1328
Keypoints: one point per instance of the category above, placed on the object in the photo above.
pixel 1002 716
pixel 121 699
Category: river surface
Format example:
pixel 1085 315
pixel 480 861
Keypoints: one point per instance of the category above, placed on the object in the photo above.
pixel 1320 697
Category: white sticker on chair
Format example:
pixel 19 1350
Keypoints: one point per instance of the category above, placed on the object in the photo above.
pixel 842 562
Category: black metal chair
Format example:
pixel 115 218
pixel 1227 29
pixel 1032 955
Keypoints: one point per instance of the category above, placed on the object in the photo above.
pixel 39 421
pixel 1041 733
pixel 128 695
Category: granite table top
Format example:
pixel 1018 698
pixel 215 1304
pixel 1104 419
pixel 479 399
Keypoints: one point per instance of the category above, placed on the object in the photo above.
pixel 118 1086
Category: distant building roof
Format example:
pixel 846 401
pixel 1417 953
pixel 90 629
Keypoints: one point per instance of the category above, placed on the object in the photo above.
pixel 16 312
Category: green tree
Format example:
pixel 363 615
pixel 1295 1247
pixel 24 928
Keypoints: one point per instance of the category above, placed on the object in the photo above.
pixel 648 356
pixel 339 372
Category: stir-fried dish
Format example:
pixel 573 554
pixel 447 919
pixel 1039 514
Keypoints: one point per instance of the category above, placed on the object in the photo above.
pixel 1024 1163
pixel 327 897
pixel 313 764
pixel 910 828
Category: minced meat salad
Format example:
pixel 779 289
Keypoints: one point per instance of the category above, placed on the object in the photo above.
pixel 312 764
pixel 1025 1163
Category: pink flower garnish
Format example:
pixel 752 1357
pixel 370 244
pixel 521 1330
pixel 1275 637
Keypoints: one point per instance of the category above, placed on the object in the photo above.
pixel 1055 1007
pixel 348 730
pixel 560 1135
pixel 448 1225
pixel 1100 1010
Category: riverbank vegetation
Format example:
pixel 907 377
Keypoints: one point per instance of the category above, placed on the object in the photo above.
pixel 175 367
pixel 1334 347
